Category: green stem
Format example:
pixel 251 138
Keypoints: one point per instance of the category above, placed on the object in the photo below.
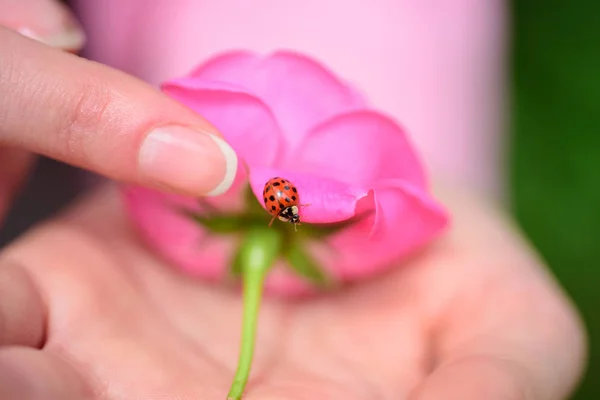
pixel 256 255
pixel 252 296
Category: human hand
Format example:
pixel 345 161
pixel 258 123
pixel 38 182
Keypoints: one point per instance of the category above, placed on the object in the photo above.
pixel 88 312
pixel 88 115
pixel 48 21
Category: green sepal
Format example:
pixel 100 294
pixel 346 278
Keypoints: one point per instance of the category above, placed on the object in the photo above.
pixel 235 271
pixel 253 204
pixel 267 240
pixel 225 223
pixel 318 231
pixel 259 249
pixel 306 266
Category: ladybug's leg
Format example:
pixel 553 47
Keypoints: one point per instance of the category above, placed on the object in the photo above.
pixel 272 219
pixel 304 205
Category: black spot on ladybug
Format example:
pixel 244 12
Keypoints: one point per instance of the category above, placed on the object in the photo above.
pixel 268 189
pixel 265 199
pixel 287 199
pixel 294 190
pixel 293 198
pixel 286 187
pixel 272 198
pixel 276 183
pixel 281 206
pixel 273 208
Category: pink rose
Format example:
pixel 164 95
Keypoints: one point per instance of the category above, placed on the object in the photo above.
pixel 288 116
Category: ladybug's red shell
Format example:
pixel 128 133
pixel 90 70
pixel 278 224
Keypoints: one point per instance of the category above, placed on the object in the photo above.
pixel 280 198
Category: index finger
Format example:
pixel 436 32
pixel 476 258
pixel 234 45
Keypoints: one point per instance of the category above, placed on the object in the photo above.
pixel 91 116
pixel 48 21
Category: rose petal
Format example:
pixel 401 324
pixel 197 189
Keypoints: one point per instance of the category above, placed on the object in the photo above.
pixel 235 64
pixel 329 200
pixel 301 92
pixel 407 218
pixel 245 121
pixel 360 148
pixel 176 237
pixel 404 204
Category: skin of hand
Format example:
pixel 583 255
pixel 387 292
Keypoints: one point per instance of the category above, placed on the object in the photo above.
pixel 87 312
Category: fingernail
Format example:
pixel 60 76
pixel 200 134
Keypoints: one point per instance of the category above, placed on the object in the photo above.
pixel 188 160
pixel 54 26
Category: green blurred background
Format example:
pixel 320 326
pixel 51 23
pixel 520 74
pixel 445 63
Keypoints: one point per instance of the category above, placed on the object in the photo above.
pixel 555 172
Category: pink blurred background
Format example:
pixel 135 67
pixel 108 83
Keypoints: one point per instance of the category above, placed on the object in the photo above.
pixel 436 66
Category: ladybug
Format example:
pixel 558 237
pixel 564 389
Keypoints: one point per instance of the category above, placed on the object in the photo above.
pixel 282 200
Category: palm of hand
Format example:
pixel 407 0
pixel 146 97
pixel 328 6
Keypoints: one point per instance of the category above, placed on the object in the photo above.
pixel 473 317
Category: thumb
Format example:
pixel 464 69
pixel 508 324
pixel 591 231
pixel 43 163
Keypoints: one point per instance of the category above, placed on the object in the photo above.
pixel 48 21
pixel 97 118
